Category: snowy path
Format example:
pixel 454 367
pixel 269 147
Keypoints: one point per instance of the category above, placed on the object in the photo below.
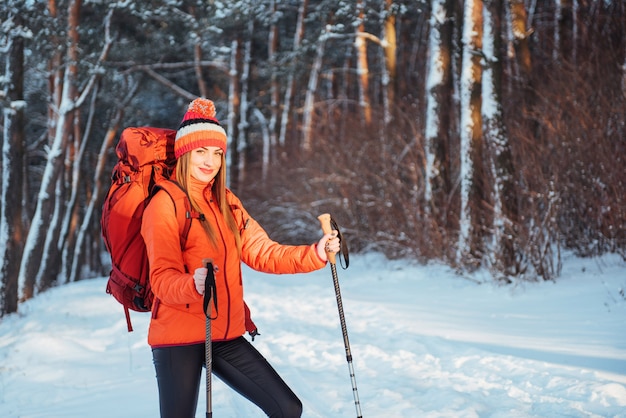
pixel 425 343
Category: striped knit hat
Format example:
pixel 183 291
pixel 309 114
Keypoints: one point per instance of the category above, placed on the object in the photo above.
pixel 199 128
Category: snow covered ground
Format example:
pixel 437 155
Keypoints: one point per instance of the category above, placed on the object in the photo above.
pixel 426 343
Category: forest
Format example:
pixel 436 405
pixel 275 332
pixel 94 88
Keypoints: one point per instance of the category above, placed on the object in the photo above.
pixel 476 133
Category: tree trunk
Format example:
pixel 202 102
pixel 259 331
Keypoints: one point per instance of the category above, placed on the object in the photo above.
pixel 504 198
pixel 265 154
pixel 48 271
pixel 566 28
pixel 622 12
pixel 67 237
pixel 309 102
pixel 390 49
pixel 98 191
pixel 12 233
pixel 274 85
pixel 438 101
pixel 388 57
pixel 34 259
pixel 469 250
pixel 520 38
pixel 197 59
pixel 298 36
pixel 362 66
pixel 234 101
pixel 244 124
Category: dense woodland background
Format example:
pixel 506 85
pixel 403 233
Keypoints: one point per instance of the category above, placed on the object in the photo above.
pixel 477 133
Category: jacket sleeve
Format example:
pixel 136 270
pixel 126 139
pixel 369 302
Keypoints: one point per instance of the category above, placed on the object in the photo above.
pixel 160 230
pixel 263 254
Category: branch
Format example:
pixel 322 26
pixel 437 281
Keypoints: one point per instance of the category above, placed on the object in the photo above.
pixel 132 67
pixel 167 83
pixel 101 59
pixel 370 37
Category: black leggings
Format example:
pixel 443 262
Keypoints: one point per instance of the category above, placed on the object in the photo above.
pixel 236 362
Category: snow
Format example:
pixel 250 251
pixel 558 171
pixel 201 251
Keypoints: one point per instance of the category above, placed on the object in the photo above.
pixel 426 342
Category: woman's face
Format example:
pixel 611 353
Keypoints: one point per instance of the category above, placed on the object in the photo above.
pixel 206 163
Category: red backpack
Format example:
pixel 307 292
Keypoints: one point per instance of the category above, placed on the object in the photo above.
pixel 145 161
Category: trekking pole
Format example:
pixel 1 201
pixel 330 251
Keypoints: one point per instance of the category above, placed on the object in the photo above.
pixel 326 221
pixel 209 294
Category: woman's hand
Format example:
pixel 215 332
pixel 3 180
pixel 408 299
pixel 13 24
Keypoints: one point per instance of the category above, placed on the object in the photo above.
pixel 199 277
pixel 329 243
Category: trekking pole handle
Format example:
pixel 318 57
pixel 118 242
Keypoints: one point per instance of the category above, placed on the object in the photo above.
pixel 327 229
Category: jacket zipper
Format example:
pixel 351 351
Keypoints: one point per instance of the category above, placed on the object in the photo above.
pixel 219 228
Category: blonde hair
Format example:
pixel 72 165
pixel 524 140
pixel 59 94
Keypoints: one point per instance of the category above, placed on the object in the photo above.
pixel 183 176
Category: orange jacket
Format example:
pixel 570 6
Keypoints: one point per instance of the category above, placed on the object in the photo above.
pixel 178 316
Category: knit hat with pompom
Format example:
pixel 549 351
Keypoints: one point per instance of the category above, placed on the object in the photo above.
pixel 199 128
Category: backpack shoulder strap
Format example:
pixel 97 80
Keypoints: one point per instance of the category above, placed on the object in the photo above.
pixel 182 206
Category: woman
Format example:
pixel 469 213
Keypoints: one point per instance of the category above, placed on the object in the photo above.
pixel 227 235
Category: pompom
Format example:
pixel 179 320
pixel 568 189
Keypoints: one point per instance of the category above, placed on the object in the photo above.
pixel 199 128
pixel 203 107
